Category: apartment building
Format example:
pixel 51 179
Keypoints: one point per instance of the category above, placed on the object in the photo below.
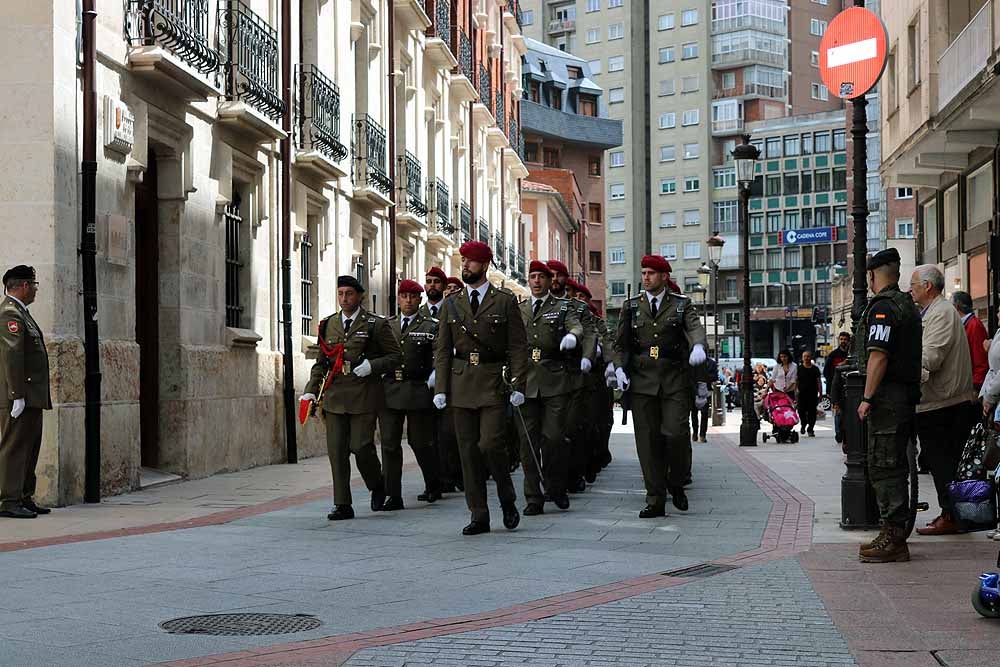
pixel 939 121
pixel 404 126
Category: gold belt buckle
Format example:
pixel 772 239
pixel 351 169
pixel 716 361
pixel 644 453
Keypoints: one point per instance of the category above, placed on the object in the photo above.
pixel 654 352
pixel 536 354
pixel 399 375
pixel 474 358
pixel 346 368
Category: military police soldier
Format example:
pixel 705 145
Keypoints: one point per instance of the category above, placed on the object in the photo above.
pixel 480 332
pixel 24 393
pixel 552 328
pixel 889 342
pixel 661 335
pixel 358 349
pixel 408 397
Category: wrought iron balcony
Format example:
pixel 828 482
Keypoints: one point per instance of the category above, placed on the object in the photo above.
pixel 485 87
pixel 483 231
pixel 411 190
pixel 520 266
pixel 179 26
pixel 465 221
pixel 462 48
pixel 512 261
pixel 439 12
pixel 249 47
pixel 318 114
pixel 514 7
pixel 499 257
pixel 499 115
pixel 369 154
pixel 440 203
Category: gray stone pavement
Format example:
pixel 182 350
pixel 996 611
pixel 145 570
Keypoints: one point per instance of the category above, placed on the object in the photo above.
pixel 99 603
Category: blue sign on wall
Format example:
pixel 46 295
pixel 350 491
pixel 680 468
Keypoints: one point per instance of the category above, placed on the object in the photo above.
pixel 804 236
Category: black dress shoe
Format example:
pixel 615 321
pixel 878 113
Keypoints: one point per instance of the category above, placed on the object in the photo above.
pixel 651 512
pixel 341 513
pixel 378 499
pixel 532 509
pixel 561 501
pixel 460 486
pixel 32 506
pixel 511 517
pixel 429 496
pixel 18 513
pixel 476 528
pixel 446 488
pixel 578 485
pixel 392 504
pixel 591 477
pixel 679 499
pixel 688 481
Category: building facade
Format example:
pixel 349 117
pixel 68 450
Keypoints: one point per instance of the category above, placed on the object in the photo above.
pixel 405 138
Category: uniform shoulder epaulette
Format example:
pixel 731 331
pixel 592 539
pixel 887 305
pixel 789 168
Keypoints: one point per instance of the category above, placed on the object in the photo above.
pixel 392 318
pixel 432 319
pixel 681 296
pixel 508 291
pixel 634 298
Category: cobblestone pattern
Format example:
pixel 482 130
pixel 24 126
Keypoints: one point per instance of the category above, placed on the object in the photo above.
pixel 766 615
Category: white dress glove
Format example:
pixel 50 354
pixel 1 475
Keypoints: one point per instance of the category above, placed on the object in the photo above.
pixel 622 379
pixel 307 397
pixel 432 380
pixel 697 355
pixel 364 369
pixel 599 349
pixel 17 408
pixel 609 371
pixel 585 365
pixel 568 343
pixel 440 401
pixel 516 399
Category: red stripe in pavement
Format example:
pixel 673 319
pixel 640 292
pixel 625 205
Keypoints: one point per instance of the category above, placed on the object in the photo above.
pixel 788 531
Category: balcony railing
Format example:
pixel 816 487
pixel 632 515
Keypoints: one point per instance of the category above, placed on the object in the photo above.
pixel 249 47
pixel 179 26
pixel 747 56
pixel 485 87
pixel 520 267
pixel 465 221
pixel 966 57
pixel 557 26
pixel 411 191
pixel 514 7
pixel 368 150
pixel 514 137
pixel 499 115
pixel 318 114
pixel 483 231
pixel 439 12
pixel 727 126
pixel 462 48
pixel 500 257
pixel 440 203
pixel 512 261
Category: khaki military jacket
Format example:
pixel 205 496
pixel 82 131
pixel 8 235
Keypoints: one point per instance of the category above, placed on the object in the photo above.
pixel 472 350
pixel 660 345
pixel 23 358
pixel 406 385
pixel 425 310
pixel 371 338
pixel 548 370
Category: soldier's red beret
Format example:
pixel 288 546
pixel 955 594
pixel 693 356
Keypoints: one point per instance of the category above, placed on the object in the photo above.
pixel 538 265
pixel 558 267
pixel 410 287
pixel 582 289
pixel 656 263
pixel 674 287
pixel 572 284
pixel 452 280
pixel 594 309
pixel 437 272
pixel 477 251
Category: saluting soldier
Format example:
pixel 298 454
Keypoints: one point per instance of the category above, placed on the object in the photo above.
pixel 553 328
pixel 25 393
pixel 480 332
pixel 663 336
pixel 358 349
pixel 453 286
pixel 408 397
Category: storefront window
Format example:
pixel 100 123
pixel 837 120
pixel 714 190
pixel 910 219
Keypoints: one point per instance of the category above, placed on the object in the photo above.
pixel 980 196
pixel 930 225
pixel 977 276
pixel 950 213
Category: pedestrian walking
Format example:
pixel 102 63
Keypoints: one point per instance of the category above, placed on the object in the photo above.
pixel 481 332
pixel 810 388
pixel 705 376
pixel 785 375
pixel 976 334
pixel 943 414
pixel 662 335
pixel 346 384
pixel 890 351
pixel 408 400
pixel 24 392
pixel 836 358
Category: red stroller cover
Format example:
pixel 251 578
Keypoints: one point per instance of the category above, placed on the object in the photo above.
pixel 780 409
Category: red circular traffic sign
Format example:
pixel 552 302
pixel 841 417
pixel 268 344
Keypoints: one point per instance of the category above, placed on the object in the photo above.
pixel 852 54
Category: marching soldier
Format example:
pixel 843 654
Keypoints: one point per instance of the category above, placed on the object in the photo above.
pixel 358 349
pixel 453 286
pixel 435 282
pixel 24 384
pixel 408 396
pixel 660 335
pixel 599 398
pixel 480 332
pixel 552 329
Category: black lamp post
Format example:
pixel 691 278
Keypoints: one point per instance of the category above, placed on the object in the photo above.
pixel 715 243
pixel 745 156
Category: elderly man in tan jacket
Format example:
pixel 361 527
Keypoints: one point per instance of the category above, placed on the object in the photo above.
pixel 945 411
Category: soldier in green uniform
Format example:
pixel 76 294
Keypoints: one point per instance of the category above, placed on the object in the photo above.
pixel 480 332
pixel 24 393
pixel 358 349
pixel 661 336
pixel 553 328
pixel 889 340
pixel 584 355
pixel 599 397
pixel 408 397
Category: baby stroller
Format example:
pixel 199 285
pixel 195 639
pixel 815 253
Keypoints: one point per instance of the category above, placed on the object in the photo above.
pixel 780 411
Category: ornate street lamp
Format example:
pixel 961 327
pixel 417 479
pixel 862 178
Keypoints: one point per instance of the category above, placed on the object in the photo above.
pixel 715 243
pixel 745 156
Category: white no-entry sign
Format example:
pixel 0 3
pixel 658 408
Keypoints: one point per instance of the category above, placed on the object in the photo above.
pixel 852 54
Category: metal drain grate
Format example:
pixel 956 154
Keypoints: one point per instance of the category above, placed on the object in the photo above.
pixel 701 570
pixel 241 624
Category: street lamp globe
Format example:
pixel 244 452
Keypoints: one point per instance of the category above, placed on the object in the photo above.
pixel 745 156
pixel 715 243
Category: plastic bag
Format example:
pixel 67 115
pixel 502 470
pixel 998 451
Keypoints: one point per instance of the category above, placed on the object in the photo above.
pixel 982 513
pixel 970 491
